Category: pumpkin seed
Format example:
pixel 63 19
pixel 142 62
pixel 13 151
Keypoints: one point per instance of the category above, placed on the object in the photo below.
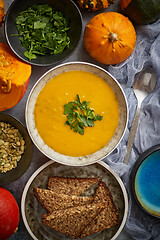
pixel 12 146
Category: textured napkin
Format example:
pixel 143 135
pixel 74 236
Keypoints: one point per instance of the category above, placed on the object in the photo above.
pixel 140 225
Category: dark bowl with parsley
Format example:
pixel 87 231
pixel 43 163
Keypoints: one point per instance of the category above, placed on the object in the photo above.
pixel 43 32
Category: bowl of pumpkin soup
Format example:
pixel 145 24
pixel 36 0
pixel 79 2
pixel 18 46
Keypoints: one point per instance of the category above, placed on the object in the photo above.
pixel 76 113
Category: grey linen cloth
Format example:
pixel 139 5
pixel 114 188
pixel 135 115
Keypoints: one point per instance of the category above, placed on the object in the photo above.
pixel 147 52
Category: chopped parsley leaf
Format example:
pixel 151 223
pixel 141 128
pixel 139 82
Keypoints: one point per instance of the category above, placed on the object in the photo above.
pixel 42 31
pixel 80 115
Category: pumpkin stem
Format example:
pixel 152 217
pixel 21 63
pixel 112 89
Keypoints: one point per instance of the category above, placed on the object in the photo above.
pixel 113 37
pixel 16 230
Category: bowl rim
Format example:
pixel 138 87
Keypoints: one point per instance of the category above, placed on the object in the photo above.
pixel 103 164
pixel 23 131
pixel 134 171
pixel 53 69
pixel 41 64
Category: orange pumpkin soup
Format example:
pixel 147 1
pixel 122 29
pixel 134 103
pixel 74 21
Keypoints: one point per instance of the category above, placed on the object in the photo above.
pixel 50 119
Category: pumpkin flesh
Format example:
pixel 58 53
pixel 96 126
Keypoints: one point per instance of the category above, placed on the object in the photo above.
pixel 14 78
pixel 104 48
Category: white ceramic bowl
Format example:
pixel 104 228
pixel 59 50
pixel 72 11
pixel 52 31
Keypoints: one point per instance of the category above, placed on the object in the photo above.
pixel 98 155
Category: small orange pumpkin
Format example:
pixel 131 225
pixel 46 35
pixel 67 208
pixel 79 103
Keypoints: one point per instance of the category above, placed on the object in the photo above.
pixel 2 14
pixel 94 5
pixel 110 38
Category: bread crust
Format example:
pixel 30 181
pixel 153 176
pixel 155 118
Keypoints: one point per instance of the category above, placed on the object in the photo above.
pixel 72 221
pixel 52 201
pixel 70 186
pixel 108 217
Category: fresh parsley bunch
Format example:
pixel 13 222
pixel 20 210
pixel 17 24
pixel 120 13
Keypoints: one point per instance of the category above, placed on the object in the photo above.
pixel 42 31
pixel 80 115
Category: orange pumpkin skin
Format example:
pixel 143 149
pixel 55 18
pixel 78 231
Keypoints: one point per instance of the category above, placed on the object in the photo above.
pixel 2 13
pixel 9 214
pixel 14 78
pixel 110 38
pixel 94 5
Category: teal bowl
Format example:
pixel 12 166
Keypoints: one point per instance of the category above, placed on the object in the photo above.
pixel 146 181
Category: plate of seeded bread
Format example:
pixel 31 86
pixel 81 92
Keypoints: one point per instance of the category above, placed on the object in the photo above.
pixel 63 202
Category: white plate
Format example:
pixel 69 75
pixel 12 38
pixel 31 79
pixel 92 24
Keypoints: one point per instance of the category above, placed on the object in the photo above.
pixel 32 211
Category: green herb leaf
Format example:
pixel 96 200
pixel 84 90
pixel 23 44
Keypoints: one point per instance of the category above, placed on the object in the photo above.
pixel 80 115
pixel 90 122
pixel 98 117
pixel 70 118
pixel 90 113
pixel 42 31
pixel 84 121
pixel 68 108
pixel 29 55
pixel 81 130
pixel 38 25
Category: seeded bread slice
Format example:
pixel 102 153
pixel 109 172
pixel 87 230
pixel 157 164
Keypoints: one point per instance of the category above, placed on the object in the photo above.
pixel 108 217
pixel 72 221
pixel 70 186
pixel 52 201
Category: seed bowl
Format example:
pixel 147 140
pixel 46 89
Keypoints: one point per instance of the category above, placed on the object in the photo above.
pixel 69 10
pixel 24 162
pixel 88 158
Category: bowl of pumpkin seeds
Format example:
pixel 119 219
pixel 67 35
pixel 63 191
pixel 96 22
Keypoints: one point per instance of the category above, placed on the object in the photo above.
pixel 15 149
